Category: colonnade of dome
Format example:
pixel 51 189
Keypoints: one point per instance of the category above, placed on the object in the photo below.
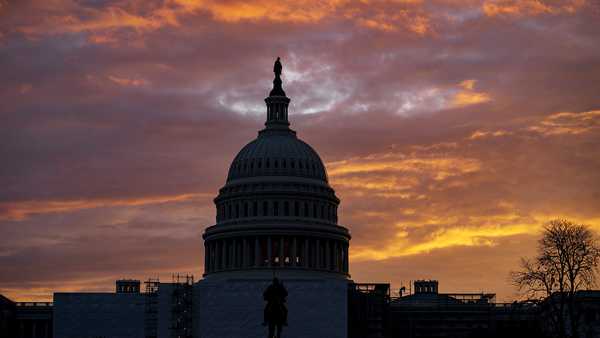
pixel 277 251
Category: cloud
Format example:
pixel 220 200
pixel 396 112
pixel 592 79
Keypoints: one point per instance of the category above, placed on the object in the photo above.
pixel 25 88
pixel 479 134
pixel 568 123
pixel 456 236
pixel 468 96
pixel 531 7
pixel 17 211
pixel 128 82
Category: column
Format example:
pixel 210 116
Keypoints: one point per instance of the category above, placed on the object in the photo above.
pixel 217 256
pixel 281 251
pixel 269 251
pixel 206 256
pixel 213 257
pixel 245 253
pixel 33 329
pixel 232 250
pixel 234 254
pixel 336 257
pixel 346 258
pixel 224 257
pixel 278 111
pixel 318 255
pixel 327 255
pixel 294 252
pixel 305 258
pixel 257 258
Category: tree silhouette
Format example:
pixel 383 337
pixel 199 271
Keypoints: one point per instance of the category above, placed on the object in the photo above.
pixel 567 258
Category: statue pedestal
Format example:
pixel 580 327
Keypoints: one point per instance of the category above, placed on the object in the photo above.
pixel 233 307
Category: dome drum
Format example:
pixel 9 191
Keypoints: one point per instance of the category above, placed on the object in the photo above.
pixel 277 208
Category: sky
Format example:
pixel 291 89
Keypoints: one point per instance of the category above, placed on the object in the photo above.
pixel 452 130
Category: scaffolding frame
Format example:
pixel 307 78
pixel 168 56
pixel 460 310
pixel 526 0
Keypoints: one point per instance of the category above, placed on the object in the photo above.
pixel 181 325
pixel 151 308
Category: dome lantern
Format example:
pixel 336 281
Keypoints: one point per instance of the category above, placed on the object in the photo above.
pixel 277 102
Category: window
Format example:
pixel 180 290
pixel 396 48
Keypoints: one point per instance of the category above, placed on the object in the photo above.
pixel 265 208
pixel 305 209
pixel 254 208
pixel 245 209
pixel 275 164
pixel 237 210
pixel 275 208
pixel 314 214
pixel 286 208
pixel 296 209
pixel 268 164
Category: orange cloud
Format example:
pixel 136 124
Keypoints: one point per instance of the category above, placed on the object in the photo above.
pixel 568 123
pixel 128 82
pixel 440 167
pixel 403 245
pixel 25 88
pixel 70 17
pixel 468 84
pixel 530 7
pixel 16 211
pixel 468 96
pixel 476 231
pixel 479 134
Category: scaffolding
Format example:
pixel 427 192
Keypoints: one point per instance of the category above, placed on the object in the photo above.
pixel 368 306
pixel 151 308
pixel 181 306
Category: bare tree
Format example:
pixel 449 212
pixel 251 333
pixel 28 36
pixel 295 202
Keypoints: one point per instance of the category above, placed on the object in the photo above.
pixel 566 262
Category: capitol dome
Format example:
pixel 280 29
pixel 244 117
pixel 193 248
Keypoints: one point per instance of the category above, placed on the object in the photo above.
pixel 277 153
pixel 276 210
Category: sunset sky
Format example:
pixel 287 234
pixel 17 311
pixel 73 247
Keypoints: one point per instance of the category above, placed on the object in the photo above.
pixel 451 130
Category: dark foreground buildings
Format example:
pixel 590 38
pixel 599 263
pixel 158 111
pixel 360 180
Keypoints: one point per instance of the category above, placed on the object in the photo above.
pixel 276 216
pixel 372 313
pixel 25 319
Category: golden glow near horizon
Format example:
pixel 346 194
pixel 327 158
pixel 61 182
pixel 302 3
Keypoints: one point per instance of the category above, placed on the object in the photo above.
pixel 449 137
